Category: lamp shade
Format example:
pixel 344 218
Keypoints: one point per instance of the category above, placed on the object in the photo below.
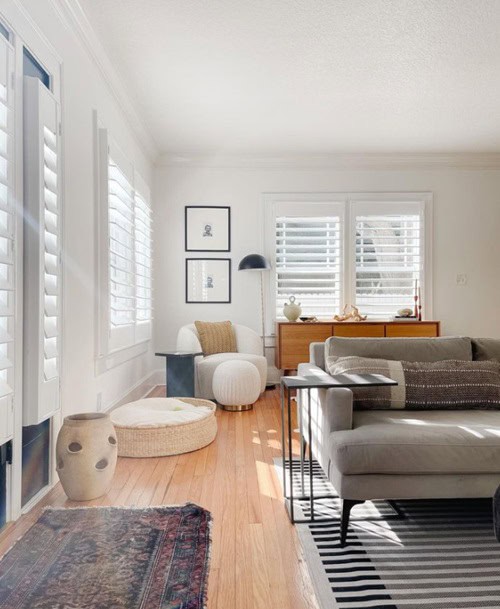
pixel 254 262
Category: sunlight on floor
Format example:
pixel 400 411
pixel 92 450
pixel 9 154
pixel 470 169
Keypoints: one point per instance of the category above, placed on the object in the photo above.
pixel 268 485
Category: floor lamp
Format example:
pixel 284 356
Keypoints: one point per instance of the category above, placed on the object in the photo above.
pixel 256 262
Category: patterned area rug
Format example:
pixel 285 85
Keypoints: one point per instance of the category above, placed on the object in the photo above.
pixel 110 558
pixel 439 554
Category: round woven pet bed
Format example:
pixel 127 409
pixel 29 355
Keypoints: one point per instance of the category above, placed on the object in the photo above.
pixel 163 439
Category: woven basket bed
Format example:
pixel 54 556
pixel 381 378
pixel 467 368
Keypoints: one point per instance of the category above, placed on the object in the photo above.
pixel 166 440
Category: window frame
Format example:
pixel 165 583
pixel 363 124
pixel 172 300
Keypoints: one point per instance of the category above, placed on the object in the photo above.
pixel 115 346
pixel 352 204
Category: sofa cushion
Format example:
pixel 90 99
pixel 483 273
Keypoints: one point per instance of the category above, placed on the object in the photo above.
pixel 430 442
pixel 216 337
pixel 448 384
pixel 486 348
pixel 409 349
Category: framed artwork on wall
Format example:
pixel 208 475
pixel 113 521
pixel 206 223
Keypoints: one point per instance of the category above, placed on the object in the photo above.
pixel 207 228
pixel 208 280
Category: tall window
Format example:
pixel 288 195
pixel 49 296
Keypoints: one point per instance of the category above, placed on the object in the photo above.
pixel 7 243
pixel 143 259
pixel 127 214
pixel 388 254
pixel 308 263
pixel 376 270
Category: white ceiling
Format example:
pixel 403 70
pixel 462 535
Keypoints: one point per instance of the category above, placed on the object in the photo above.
pixel 309 76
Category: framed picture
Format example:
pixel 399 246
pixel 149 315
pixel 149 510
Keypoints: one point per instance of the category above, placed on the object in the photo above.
pixel 208 280
pixel 207 229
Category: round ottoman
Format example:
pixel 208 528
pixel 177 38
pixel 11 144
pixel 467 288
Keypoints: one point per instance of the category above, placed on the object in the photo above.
pixel 236 385
pixel 158 427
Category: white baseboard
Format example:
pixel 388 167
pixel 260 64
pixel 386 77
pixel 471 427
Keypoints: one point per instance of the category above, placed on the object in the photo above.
pixel 140 390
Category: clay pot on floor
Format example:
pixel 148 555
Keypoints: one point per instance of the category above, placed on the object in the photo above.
pixel 86 453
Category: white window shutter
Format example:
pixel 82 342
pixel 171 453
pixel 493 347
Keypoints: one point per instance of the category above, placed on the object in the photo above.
pixel 42 281
pixel 143 261
pixel 7 245
pixel 121 239
pixel 308 264
pixel 388 260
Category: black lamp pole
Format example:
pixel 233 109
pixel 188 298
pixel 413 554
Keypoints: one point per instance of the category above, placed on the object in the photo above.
pixel 256 262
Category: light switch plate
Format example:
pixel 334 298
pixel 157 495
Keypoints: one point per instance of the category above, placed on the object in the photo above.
pixel 461 279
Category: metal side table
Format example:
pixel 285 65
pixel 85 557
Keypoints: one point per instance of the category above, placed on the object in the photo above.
pixel 304 384
pixel 179 372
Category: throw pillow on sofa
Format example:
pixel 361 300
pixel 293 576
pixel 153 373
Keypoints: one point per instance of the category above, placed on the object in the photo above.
pixel 445 385
pixel 216 337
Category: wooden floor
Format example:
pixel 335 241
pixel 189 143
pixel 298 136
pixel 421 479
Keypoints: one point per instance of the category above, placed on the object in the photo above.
pixel 256 559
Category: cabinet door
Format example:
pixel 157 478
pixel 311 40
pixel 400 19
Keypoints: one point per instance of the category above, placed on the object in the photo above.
pixel 359 330
pixel 295 341
pixel 412 329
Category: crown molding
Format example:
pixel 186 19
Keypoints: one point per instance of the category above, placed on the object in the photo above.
pixel 73 17
pixel 337 161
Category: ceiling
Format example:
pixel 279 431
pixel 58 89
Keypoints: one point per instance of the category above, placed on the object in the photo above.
pixel 308 76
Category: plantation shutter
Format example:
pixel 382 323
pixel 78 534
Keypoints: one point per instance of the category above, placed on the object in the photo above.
pixel 388 261
pixel 308 264
pixel 143 260
pixel 7 245
pixel 121 227
pixel 42 262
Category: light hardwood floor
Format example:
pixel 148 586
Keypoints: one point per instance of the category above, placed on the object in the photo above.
pixel 256 560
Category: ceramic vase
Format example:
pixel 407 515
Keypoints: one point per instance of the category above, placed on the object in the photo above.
pixel 86 453
pixel 292 311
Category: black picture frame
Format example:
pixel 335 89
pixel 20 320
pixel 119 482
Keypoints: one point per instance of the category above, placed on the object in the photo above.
pixel 229 280
pixel 187 247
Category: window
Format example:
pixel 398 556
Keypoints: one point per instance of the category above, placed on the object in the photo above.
pixel 388 256
pixel 7 244
pixel 143 259
pixel 378 268
pixel 127 214
pixel 308 263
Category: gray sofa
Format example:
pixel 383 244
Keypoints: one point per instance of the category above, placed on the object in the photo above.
pixel 388 454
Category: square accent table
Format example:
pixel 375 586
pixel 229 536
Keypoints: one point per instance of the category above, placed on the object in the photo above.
pixel 304 384
pixel 179 375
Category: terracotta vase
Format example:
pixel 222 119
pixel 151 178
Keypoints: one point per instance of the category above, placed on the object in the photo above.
pixel 86 453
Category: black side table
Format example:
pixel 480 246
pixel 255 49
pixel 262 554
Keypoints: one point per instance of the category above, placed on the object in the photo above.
pixel 179 372
pixel 304 384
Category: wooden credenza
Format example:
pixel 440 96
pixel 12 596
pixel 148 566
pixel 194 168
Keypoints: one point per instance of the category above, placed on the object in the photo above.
pixel 293 338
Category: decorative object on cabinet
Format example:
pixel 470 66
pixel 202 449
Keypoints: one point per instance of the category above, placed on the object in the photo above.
pixel 293 340
pixel 208 280
pixel 86 454
pixel 291 309
pixel 308 319
pixel 257 262
pixel 352 315
pixel 207 228
pixel 405 313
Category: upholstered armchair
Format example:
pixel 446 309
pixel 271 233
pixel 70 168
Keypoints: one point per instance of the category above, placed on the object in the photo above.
pixel 249 346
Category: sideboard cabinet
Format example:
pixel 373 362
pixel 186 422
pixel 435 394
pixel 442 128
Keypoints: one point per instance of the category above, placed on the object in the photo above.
pixel 293 338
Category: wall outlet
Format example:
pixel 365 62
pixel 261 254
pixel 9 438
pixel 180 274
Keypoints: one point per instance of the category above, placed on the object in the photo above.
pixel 99 402
pixel 461 279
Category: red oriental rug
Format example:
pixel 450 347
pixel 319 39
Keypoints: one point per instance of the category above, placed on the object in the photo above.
pixel 110 558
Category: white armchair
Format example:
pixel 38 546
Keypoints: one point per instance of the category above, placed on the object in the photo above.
pixel 248 343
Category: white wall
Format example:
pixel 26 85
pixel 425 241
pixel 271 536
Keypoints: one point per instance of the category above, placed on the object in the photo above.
pixel 84 90
pixel 466 237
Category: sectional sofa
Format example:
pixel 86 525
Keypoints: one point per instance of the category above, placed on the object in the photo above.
pixel 403 454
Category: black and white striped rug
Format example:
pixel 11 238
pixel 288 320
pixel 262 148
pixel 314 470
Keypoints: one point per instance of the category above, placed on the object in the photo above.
pixel 439 554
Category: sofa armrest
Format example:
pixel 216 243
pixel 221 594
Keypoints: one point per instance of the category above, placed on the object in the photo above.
pixel 331 410
pixel 317 354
